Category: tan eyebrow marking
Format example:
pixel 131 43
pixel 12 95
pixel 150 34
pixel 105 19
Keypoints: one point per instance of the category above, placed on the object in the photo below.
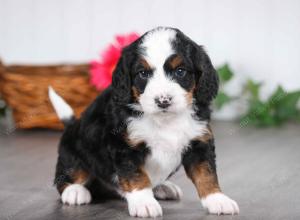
pixel 175 61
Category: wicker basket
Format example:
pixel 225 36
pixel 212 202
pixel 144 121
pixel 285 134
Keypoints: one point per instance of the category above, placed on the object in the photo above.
pixel 25 90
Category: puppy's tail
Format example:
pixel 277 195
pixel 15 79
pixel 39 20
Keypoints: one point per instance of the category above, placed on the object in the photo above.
pixel 62 109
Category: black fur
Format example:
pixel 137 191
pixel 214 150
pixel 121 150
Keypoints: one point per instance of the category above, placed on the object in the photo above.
pixel 96 142
pixel 121 80
pixel 198 153
pixel 195 57
pixel 208 84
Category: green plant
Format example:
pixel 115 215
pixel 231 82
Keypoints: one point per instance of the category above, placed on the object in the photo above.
pixel 279 107
pixel 225 75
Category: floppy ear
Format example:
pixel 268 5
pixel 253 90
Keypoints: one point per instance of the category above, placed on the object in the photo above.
pixel 121 82
pixel 208 80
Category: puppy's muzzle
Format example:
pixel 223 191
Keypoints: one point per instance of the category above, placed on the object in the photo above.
pixel 163 101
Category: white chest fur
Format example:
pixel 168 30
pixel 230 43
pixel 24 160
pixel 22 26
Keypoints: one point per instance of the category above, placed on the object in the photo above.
pixel 166 136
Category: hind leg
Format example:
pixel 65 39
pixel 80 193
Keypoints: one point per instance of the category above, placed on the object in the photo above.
pixel 71 184
pixel 167 191
pixel 76 194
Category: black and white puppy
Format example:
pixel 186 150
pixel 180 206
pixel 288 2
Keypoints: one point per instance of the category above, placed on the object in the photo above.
pixel 139 131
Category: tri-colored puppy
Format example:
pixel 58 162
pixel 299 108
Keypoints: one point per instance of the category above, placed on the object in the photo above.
pixel 139 131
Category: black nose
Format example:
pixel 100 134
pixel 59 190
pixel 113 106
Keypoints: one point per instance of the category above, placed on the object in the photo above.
pixel 163 101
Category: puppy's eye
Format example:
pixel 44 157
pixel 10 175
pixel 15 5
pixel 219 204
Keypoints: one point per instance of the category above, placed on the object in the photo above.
pixel 144 74
pixel 180 72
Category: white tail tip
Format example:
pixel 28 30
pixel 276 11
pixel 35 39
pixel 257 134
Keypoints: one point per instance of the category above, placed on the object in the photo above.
pixel 62 109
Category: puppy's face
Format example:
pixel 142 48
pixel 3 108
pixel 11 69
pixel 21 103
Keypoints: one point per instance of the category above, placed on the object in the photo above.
pixel 165 70
pixel 163 80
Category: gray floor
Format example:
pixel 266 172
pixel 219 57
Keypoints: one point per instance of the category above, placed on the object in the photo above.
pixel 259 168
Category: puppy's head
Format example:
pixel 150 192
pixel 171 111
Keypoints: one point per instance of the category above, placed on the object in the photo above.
pixel 164 72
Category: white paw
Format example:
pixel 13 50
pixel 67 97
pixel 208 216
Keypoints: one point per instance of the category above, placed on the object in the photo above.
pixel 141 203
pixel 76 194
pixel 167 190
pixel 218 203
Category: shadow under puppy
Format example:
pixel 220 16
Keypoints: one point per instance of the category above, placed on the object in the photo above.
pixel 139 131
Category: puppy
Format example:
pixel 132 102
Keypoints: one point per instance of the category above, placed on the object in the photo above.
pixel 152 119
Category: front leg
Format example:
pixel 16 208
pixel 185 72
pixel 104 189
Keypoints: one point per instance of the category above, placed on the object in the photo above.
pixel 137 190
pixel 199 164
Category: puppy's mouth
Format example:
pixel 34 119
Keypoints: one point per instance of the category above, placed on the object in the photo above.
pixel 164 109
pixel 164 112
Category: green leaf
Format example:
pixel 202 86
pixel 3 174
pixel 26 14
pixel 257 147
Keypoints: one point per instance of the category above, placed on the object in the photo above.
pixel 258 114
pixel 280 107
pixel 253 88
pixel 286 107
pixel 222 99
pixel 225 73
pixel 276 96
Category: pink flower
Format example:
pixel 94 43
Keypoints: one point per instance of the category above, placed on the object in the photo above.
pixel 101 70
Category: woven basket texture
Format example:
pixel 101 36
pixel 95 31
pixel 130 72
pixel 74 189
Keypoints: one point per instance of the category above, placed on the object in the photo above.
pixel 25 89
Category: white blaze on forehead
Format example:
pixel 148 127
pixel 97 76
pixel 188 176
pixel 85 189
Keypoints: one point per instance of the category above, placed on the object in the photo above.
pixel 158 46
pixel 157 49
